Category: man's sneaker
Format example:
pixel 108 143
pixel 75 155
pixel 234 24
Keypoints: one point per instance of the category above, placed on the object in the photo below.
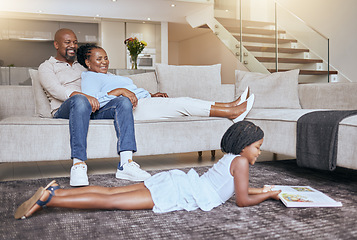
pixel 79 175
pixel 131 171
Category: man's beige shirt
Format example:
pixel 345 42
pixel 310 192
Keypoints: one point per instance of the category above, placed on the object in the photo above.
pixel 59 80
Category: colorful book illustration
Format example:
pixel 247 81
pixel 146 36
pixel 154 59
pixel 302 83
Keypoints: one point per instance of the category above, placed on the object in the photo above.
pixel 304 196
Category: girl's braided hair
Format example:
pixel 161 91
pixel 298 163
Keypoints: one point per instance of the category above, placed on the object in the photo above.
pixel 240 135
pixel 84 53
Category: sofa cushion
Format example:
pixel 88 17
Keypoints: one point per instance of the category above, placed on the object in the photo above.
pixel 276 90
pixel 278 114
pixel 145 80
pixel 16 100
pixel 337 95
pixel 42 104
pixel 44 139
pixel 279 126
pixel 189 81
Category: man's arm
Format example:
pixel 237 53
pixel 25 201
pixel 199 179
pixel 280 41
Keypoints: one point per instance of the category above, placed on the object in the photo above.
pixel 52 85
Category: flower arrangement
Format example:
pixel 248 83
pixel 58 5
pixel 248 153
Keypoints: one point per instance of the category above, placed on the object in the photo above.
pixel 135 47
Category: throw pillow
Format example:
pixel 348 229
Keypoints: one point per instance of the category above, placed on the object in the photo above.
pixel 42 104
pixel 276 90
pixel 189 81
pixel 145 80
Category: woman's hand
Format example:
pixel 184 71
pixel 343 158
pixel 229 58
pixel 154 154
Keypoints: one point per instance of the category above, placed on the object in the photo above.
pixel 126 93
pixel 92 100
pixel 132 97
pixel 159 94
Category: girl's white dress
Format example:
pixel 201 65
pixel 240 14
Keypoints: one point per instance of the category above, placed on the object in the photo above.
pixel 175 190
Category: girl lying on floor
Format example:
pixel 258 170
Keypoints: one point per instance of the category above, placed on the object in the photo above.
pixel 172 190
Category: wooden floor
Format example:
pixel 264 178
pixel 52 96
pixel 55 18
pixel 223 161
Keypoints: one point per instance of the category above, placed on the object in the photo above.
pixel 47 169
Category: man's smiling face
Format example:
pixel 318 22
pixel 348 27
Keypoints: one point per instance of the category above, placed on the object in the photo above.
pixel 66 45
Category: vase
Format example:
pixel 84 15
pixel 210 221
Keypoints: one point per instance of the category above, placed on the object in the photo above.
pixel 134 61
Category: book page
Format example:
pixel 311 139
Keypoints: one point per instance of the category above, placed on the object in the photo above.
pixel 304 196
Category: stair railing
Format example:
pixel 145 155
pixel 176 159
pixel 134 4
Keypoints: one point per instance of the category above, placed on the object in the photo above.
pixel 281 18
pixel 236 46
pixel 306 35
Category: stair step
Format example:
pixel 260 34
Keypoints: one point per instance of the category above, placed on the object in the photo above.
pixel 306 72
pixel 231 22
pixel 263 39
pixel 258 31
pixel 203 26
pixel 272 49
pixel 289 60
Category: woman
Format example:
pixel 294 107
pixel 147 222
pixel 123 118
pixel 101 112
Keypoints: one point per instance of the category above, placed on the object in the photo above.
pixel 98 83
pixel 172 190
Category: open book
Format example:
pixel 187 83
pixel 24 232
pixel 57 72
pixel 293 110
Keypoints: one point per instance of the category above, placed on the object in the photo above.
pixel 304 196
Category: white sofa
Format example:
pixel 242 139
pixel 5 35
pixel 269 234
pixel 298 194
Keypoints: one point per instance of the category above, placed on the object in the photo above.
pixel 278 107
pixel 29 134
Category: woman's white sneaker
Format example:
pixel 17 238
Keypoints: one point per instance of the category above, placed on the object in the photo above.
pixel 132 171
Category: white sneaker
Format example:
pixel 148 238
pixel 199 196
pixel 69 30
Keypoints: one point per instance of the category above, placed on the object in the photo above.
pixel 131 171
pixel 79 175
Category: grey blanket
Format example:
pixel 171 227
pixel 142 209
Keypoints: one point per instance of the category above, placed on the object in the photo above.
pixel 316 143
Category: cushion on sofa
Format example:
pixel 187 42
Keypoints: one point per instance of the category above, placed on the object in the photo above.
pixel 42 104
pixel 276 90
pixel 202 80
pixel 145 80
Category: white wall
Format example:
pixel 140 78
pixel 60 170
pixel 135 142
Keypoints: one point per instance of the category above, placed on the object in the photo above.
pixel 336 20
pixel 205 49
pixel 173 50
pixel 112 36
pixel 163 41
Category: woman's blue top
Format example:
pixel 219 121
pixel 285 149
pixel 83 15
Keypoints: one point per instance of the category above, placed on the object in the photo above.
pixel 99 84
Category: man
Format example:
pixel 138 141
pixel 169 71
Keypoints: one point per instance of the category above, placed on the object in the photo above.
pixel 60 76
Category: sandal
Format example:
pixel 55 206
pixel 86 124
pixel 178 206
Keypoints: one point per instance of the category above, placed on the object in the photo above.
pixel 29 207
pixel 53 188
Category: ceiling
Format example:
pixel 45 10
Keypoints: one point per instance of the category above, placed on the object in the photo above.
pixel 143 10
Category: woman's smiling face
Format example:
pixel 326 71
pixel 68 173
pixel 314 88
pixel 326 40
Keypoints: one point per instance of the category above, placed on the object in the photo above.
pixel 98 61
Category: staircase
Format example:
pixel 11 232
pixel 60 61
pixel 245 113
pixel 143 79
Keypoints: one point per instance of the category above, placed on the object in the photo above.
pixel 255 45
